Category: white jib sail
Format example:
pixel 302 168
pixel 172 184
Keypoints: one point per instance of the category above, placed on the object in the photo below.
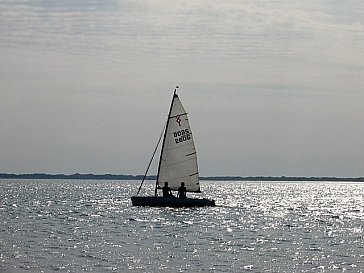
pixel 178 156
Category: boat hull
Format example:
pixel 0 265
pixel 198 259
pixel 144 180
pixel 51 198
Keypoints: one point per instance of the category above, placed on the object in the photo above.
pixel 152 201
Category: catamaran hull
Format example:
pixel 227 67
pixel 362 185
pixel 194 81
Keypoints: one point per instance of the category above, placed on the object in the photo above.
pixel 152 201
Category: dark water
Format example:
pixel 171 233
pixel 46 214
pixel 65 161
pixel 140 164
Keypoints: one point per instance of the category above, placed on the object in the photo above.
pixel 90 226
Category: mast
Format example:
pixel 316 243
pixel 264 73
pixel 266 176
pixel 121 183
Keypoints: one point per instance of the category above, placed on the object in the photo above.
pixel 164 139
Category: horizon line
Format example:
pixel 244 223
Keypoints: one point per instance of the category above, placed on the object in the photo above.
pixel 108 176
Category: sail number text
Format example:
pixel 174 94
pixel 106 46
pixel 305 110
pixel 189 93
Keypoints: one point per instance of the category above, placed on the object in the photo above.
pixel 181 136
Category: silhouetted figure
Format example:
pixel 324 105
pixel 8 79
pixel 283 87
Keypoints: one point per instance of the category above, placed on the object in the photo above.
pixel 182 191
pixel 167 190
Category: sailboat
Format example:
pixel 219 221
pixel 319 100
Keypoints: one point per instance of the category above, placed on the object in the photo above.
pixel 177 162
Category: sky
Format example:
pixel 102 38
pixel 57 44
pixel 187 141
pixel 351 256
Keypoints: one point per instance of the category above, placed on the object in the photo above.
pixel 272 88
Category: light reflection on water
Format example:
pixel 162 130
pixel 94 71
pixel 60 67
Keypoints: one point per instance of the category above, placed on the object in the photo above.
pixel 76 226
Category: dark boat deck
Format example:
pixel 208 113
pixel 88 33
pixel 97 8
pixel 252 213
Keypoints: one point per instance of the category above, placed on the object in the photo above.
pixel 152 201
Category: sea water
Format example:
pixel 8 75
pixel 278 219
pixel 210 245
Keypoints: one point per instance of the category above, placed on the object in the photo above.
pixel 91 226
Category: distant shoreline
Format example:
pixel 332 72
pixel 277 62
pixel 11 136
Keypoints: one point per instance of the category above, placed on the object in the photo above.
pixel 153 177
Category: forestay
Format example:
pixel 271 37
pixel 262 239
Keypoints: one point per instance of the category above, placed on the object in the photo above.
pixel 178 161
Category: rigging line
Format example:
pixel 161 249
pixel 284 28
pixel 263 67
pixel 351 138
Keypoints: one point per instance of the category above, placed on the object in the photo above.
pixel 151 160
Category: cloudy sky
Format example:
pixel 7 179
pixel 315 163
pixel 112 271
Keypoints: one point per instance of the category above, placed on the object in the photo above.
pixel 271 87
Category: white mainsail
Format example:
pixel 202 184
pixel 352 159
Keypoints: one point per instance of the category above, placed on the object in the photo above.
pixel 178 160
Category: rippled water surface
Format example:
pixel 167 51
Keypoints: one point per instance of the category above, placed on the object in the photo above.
pixel 82 226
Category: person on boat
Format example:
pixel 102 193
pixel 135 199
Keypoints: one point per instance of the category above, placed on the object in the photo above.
pixel 182 191
pixel 167 190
